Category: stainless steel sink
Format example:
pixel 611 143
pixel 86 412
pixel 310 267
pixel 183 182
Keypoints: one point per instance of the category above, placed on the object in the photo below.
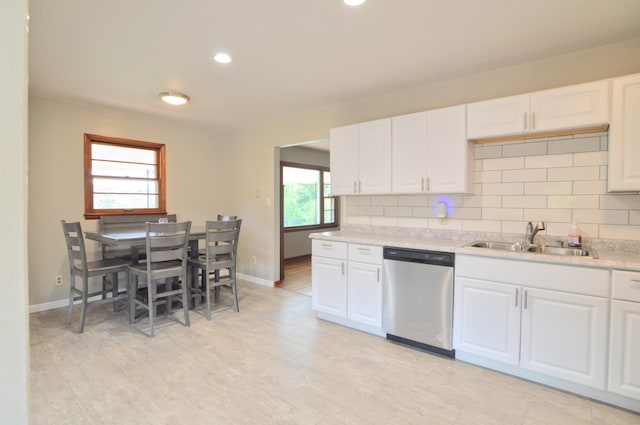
pixel 558 250
pixel 536 249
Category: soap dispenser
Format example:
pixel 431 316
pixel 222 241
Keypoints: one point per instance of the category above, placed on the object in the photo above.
pixel 574 239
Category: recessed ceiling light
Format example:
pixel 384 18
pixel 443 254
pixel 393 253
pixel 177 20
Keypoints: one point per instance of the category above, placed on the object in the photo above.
pixel 174 98
pixel 222 58
pixel 354 2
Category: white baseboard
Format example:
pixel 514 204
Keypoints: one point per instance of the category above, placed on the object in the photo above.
pixel 257 280
pixel 52 305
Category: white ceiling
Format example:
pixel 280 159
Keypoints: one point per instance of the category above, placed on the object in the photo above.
pixel 292 56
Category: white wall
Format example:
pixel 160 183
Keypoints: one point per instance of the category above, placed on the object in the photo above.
pixel 14 325
pixel 195 188
pixel 252 153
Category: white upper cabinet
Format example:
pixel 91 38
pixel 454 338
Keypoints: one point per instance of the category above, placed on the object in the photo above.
pixel 624 135
pixel 573 107
pixel 361 158
pixel 430 153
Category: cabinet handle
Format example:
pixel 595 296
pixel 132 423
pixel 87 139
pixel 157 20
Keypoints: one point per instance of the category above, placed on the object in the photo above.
pixel 422 188
pixel 326 245
pixel 342 268
pixel 524 121
pixel 378 274
pixel 525 299
pixel 517 294
pixel 363 249
pixel 533 121
pixel 355 187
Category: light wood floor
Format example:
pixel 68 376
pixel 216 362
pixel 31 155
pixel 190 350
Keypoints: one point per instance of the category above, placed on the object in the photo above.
pixel 273 362
pixel 297 275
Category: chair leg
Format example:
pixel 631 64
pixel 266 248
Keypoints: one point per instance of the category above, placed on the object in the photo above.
pixel 186 301
pixel 207 288
pixel 115 286
pixel 131 293
pixel 152 304
pixel 234 289
pixel 83 303
pixel 72 285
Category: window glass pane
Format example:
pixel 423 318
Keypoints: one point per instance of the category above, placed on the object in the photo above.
pixel 102 185
pixel 301 199
pixel 326 176
pixel 120 153
pixel 113 201
pixel 329 210
pixel 122 169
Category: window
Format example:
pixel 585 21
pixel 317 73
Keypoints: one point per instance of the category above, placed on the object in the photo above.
pixel 306 197
pixel 123 176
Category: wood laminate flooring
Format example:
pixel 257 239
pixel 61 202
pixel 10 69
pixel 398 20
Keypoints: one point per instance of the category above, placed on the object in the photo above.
pixel 273 362
pixel 297 275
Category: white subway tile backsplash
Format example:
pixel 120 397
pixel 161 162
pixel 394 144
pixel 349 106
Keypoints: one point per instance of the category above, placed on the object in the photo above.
pixel 503 164
pixel 547 188
pixel 502 188
pixel 487 151
pixel 517 227
pixel 604 143
pixel 620 202
pixel 413 200
pixel 384 221
pixel 536 214
pixel 358 200
pixel 398 211
pixel 423 212
pixel 417 223
pixel 493 176
pixel 601 216
pixel 358 219
pixel 477 164
pixel 583 144
pixel 634 217
pixel 548 161
pixel 524 149
pixel 502 214
pixel 445 224
pixel 537 201
pixel 608 231
pixel 573 173
pixel 365 210
pixel 488 201
pixel 573 201
pixel 590 158
pixel 450 200
pixel 590 187
pixel 526 175
pixel 481 225
pixel 385 201
pixel 603 172
pixel 466 213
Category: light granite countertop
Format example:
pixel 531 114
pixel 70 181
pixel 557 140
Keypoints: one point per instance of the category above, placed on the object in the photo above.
pixel 608 259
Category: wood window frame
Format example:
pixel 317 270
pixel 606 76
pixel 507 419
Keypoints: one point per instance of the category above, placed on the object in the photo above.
pixel 89 211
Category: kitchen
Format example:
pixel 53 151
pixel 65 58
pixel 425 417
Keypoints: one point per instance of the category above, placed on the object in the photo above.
pixel 56 123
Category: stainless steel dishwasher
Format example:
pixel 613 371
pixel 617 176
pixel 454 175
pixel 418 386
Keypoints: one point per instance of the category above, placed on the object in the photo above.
pixel 418 298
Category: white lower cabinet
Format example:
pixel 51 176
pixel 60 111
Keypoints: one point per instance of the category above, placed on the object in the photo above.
pixel 487 319
pixel 565 336
pixel 624 367
pixel 510 312
pixel 347 284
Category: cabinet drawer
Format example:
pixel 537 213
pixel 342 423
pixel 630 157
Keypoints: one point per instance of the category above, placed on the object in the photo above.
pixel 329 249
pixel 365 253
pixel 626 286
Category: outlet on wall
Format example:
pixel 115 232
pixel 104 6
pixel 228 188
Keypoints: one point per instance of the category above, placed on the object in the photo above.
pixel 59 280
pixel 253 260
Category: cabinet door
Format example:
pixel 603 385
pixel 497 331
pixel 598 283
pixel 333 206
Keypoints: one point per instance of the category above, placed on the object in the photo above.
pixel 565 336
pixel 344 159
pixel 329 285
pixel 582 105
pixel 447 154
pixel 498 117
pixel 624 135
pixel 365 293
pixel 374 157
pixel 409 158
pixel 487 319
pixel 624 368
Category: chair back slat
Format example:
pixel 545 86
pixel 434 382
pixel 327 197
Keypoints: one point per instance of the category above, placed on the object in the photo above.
pixel 123 223
pixel 75 245
pixel 166 242
pixel 222 238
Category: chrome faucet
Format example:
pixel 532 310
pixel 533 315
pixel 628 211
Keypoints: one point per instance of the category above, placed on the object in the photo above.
pixel 533 231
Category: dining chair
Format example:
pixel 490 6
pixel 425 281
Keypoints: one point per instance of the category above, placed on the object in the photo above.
pixel 164 271
pixel 80 266
pixel 221 248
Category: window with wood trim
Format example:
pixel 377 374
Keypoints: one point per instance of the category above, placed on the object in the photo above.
pixel 123 176
pixel 307 202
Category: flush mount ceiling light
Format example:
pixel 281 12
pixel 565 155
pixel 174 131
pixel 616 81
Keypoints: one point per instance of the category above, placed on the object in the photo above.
pixel 222 58
pixel 354 2
pixel 174 98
